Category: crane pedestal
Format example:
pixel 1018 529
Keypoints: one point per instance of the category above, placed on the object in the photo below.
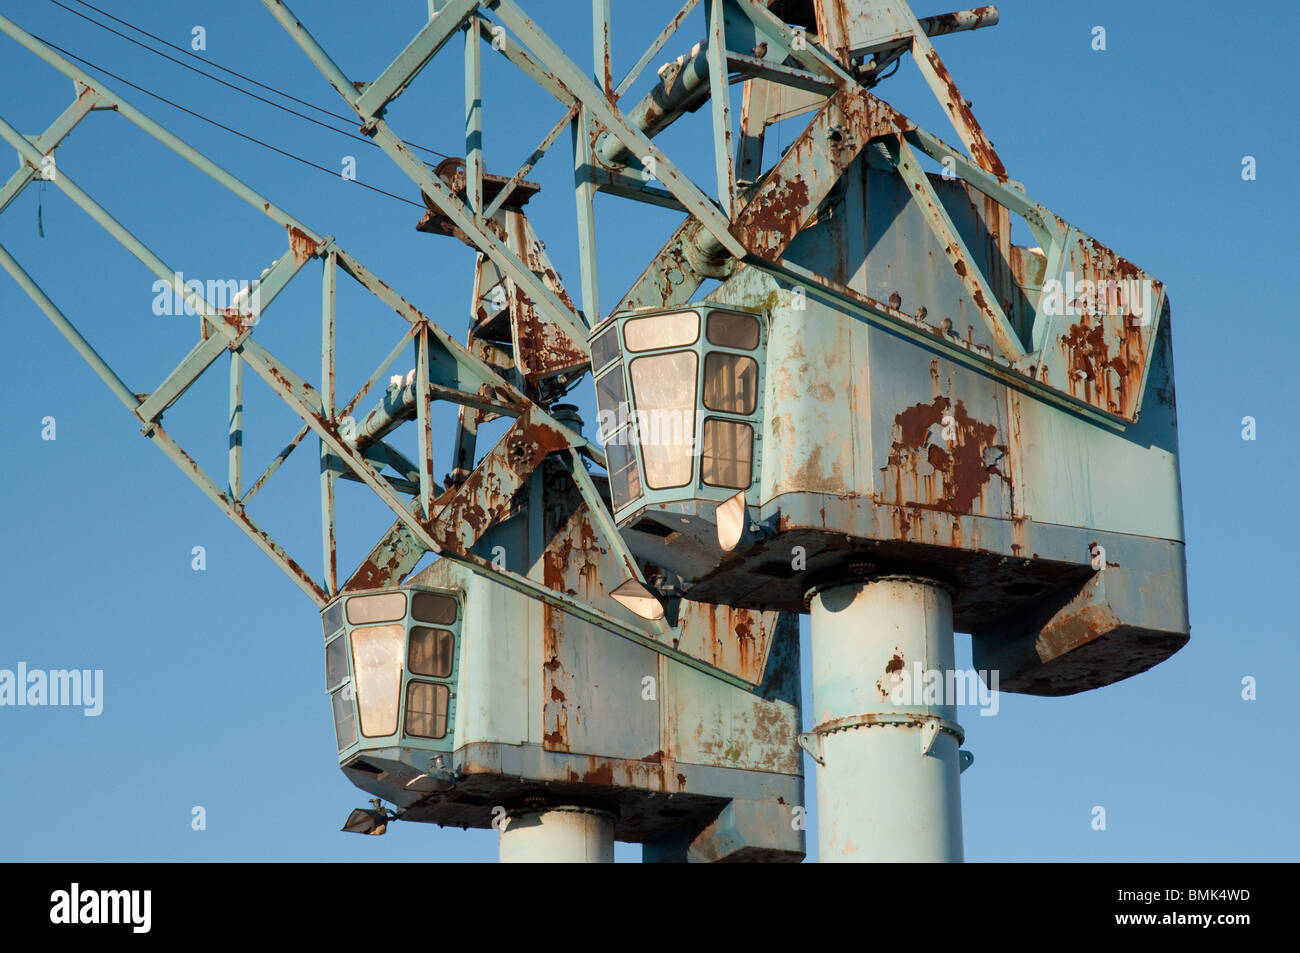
pixel 887 750
pixel 564 834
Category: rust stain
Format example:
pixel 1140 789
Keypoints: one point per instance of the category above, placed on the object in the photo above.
pixel 960 110
pixel 300 245
pixel 1102 376
pixel 960 464
pixel 481 499
pixel 555 713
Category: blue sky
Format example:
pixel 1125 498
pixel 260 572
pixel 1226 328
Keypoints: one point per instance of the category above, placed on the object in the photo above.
pixel 213 688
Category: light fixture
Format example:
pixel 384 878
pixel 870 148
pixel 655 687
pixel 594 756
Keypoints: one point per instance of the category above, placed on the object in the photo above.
pixel 736 526
pixel 732 518
pixel 635 597
pixel 364 820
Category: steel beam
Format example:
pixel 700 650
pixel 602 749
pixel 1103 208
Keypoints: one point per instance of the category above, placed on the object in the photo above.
pixel 422 48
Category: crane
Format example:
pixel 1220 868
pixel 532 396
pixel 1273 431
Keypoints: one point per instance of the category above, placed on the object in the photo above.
pixel 840 388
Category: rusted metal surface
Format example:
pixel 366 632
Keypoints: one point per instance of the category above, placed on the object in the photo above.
pixel 571 562
pixel 671 278
pixel 975 18
pixel 301 245
pixel 1103 352
pixel 888 479
pixel 735 640
pixel 387 564
pixel 1084 636
pixel 791 192
pixel 944 474
pixel 452 172
pixel 542 348
pixel 478 502
pixel 963 118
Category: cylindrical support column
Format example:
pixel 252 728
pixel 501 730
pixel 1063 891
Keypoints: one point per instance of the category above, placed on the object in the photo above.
pixel 564 834
pixel 886 736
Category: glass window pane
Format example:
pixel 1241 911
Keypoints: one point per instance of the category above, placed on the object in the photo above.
pixel 433 607
pixel 624 479
pixel 730 383
pixel 728 453
pixel 611 398
pixel 336 662
pixel 385 607
pixel 332 618
pixel 377 664
pixel 426 709
pixel 662 330
pixel 345 721
pixel 663 392
pixel 604 348
pixel 430 652
pixel 731 329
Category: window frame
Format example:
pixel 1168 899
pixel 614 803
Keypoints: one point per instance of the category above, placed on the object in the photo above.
pixel 359 696
pixel 703 348
pixel 694 405
pixel 448 724
pixel 758 324
pixel 716 353
pixel 451 662
pixel 676 346
pixel 381 594
pixel 753 454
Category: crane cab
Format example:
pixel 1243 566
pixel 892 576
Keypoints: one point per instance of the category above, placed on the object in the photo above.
pixel 680 396
pixel 391 670
pixel 770 438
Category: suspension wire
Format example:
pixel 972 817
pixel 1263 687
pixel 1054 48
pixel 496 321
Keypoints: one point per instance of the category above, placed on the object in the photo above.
pixel 351 120
pixel 220 125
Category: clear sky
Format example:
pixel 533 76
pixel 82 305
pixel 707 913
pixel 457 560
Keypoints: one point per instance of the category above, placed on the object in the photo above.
pixel 213 680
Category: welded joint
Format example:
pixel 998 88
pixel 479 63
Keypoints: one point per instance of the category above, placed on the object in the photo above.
pixel 931 725
pixel 547 803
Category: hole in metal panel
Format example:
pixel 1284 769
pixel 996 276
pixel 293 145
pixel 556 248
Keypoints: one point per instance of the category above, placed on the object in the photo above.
pixel 654 528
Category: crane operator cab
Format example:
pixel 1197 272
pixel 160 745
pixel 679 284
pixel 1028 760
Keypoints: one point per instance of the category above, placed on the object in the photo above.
pixel 768 439
pixel 390 669
pixel 681 420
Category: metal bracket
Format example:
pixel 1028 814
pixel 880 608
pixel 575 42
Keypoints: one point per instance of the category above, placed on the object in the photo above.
pixel 967 759
pixel 929 731
pixel 811 742
pixel 438 778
